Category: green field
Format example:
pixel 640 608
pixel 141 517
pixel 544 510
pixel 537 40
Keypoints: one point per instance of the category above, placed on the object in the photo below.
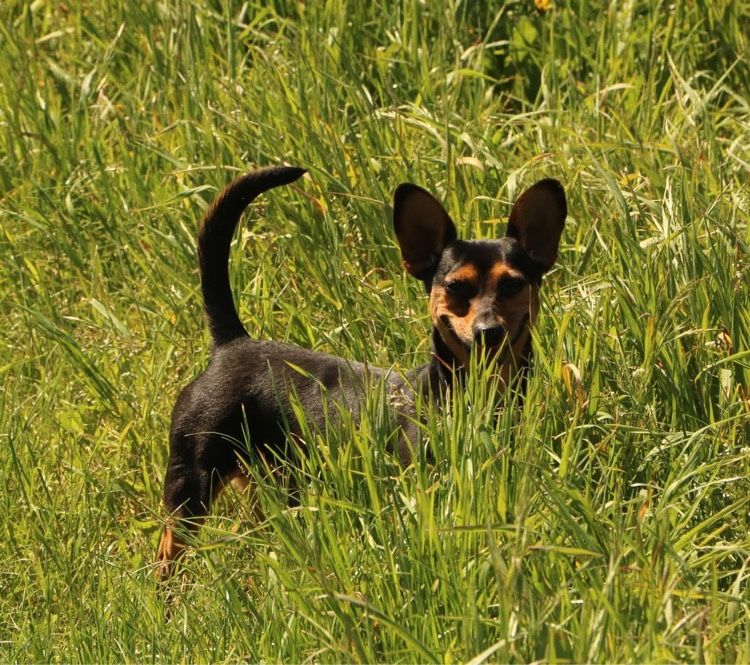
pixel 606 519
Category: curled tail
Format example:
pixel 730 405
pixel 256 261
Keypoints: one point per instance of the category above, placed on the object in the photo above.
pixel 214 238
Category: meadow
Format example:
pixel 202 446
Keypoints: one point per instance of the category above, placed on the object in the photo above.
pixel 606 518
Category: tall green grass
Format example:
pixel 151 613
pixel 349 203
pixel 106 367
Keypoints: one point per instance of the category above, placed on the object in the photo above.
pixel 604 519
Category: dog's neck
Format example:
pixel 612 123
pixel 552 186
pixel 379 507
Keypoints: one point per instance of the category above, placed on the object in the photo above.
pixel 444 368
pixel 445 361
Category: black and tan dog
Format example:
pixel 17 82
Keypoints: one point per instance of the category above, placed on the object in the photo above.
pixel 484 295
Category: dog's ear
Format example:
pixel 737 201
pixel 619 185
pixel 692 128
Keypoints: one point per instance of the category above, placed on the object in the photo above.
pixel 537 221
pixel 423 229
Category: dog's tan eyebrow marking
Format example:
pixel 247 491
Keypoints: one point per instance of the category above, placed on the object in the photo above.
pixel 466 273
pixel 500 270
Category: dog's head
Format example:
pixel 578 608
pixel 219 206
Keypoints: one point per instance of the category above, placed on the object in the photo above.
pixel 484 294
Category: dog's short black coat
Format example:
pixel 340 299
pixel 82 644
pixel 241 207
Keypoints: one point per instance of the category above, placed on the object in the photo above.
pixel 483 295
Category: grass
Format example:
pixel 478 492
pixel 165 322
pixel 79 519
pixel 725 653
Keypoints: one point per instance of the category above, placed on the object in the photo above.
pixel 605 520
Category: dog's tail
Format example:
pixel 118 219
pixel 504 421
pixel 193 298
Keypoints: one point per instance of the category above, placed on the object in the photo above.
pixel 214 238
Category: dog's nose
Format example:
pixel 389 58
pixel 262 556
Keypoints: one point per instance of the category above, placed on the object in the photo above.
pixel 489 334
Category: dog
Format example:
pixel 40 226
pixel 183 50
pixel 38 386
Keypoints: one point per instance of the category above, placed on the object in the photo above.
pixel 483 297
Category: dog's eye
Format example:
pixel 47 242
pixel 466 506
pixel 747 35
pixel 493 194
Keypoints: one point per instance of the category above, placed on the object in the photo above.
pixel 460 289
pixel 510 286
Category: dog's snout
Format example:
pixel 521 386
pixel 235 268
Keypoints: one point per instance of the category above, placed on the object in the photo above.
pixel 489 334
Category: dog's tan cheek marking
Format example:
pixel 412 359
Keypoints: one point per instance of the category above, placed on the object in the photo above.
pixel 438 309
pixel 463 325
pixel 460 312
pixel 458 350
pixel 441 304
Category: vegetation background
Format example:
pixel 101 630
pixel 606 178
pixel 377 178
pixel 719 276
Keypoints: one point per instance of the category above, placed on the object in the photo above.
pixel 605 520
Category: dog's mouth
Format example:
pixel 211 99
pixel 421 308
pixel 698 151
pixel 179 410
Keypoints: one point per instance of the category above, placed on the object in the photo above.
pixel 497 352
pixel 491 355
pixel 507 342
pixel 457 346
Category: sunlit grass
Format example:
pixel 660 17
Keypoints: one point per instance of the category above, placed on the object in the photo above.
pixel 604 519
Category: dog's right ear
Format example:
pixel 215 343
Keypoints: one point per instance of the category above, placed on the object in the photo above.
pixel 423 229
pixel 537 221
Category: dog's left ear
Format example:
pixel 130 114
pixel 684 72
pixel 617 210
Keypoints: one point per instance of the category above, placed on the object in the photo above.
pixel 423 229
pixel 537 221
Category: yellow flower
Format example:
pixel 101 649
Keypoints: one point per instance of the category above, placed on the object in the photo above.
pixel 543 5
